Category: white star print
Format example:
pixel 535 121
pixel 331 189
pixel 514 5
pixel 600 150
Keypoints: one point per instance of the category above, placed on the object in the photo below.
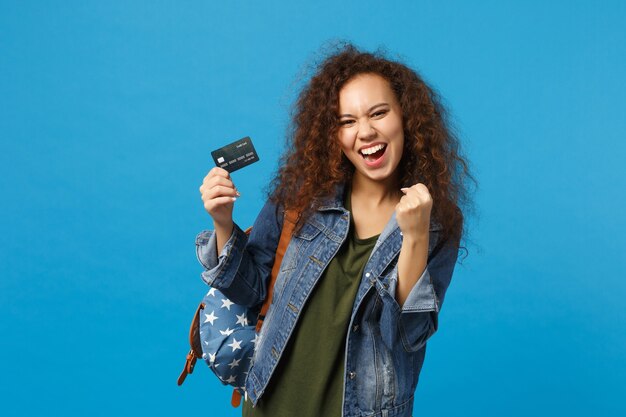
pixel 236 344
pixel 256 339
pixel 226 332
pixel 210 318
pixel 234 363
pixel 226 303
pixel 241 319
pixel 231 379
pixel 212 292
pixel 212 357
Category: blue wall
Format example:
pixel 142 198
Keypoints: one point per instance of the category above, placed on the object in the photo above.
pixel 109 113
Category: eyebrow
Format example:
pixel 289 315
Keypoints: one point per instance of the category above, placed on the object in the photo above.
pixel 369 110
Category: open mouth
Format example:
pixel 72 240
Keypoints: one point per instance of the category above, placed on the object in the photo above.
pixel 373 153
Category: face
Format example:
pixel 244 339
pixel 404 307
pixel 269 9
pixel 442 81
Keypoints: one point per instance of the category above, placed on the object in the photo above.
pixel 370 132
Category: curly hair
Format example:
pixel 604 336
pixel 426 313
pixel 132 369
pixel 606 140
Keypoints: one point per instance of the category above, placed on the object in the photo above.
pixel 313 164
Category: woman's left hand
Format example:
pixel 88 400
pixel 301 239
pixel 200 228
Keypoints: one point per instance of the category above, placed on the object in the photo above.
pixel 413 211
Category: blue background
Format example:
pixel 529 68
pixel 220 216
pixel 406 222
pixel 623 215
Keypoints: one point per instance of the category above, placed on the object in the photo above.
pixel 110 111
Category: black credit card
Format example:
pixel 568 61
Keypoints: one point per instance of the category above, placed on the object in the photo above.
pixel 236 155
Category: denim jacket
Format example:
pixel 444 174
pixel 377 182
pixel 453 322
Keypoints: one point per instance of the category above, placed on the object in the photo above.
pixel 385 344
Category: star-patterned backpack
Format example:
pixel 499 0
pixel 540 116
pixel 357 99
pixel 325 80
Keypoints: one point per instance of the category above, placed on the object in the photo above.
pixel 224 334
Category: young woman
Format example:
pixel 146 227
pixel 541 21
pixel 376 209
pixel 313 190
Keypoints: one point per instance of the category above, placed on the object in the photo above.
pixel 376 176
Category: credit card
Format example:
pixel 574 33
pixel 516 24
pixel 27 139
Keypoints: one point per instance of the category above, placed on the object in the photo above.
pixel 236 155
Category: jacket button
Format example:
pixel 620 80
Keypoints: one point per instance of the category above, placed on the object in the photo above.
pixel 367 275
pixel 352 375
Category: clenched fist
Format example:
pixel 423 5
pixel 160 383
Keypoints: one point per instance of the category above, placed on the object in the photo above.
pixel 219 194
pixel 413 211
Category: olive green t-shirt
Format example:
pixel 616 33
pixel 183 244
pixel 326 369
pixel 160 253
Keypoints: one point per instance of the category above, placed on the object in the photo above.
pixel 308 379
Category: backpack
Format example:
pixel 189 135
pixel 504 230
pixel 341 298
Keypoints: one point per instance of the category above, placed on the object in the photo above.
pixel 230 361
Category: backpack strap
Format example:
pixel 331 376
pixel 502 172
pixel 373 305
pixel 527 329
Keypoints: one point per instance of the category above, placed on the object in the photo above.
pixel 235 399
pixel 289 223
pixel 291 218
pixel 195 350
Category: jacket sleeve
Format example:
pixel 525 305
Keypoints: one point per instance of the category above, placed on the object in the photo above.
pixel 417 319
pixel 242 269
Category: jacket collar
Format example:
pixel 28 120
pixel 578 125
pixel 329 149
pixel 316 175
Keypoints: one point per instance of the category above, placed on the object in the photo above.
pixel 334 201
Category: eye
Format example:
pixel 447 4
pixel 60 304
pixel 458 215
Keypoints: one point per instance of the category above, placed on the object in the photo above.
pixel 379 113
pixel 345 122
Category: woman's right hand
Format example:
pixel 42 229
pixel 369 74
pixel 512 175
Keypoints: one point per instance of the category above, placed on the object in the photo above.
pixel 219 195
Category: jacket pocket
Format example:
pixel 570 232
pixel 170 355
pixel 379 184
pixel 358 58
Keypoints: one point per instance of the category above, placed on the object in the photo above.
pixel 298 243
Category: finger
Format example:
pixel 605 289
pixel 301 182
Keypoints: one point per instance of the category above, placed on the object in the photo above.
pixel 219 202
pixel 424 196
pixel 217 181
pixel 403 204
pixel 412 190
pixel 419 191
pixel 219 191
pixel 411 201
pixel 408 205
pixel 205 188
pixel 213 181
pixel 212 178
pixel 220 172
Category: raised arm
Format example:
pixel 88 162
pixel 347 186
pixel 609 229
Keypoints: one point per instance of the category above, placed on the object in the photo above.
pixel 416 320
pixel 244 264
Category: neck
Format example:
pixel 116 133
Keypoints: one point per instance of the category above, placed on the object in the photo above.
pixel 376 193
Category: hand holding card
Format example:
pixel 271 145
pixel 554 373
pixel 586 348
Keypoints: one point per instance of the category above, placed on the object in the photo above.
pixel 218 194
pixel 217 189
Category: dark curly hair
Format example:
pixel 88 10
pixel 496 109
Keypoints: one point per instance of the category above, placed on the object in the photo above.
pixel 313 164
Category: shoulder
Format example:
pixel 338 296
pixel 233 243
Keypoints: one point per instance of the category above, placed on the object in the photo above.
pixel 269 221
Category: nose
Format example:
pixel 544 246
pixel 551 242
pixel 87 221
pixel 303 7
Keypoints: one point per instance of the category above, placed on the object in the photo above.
pixel 366 130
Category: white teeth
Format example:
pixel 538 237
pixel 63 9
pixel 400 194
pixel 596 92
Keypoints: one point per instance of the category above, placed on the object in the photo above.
pixel 372 150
